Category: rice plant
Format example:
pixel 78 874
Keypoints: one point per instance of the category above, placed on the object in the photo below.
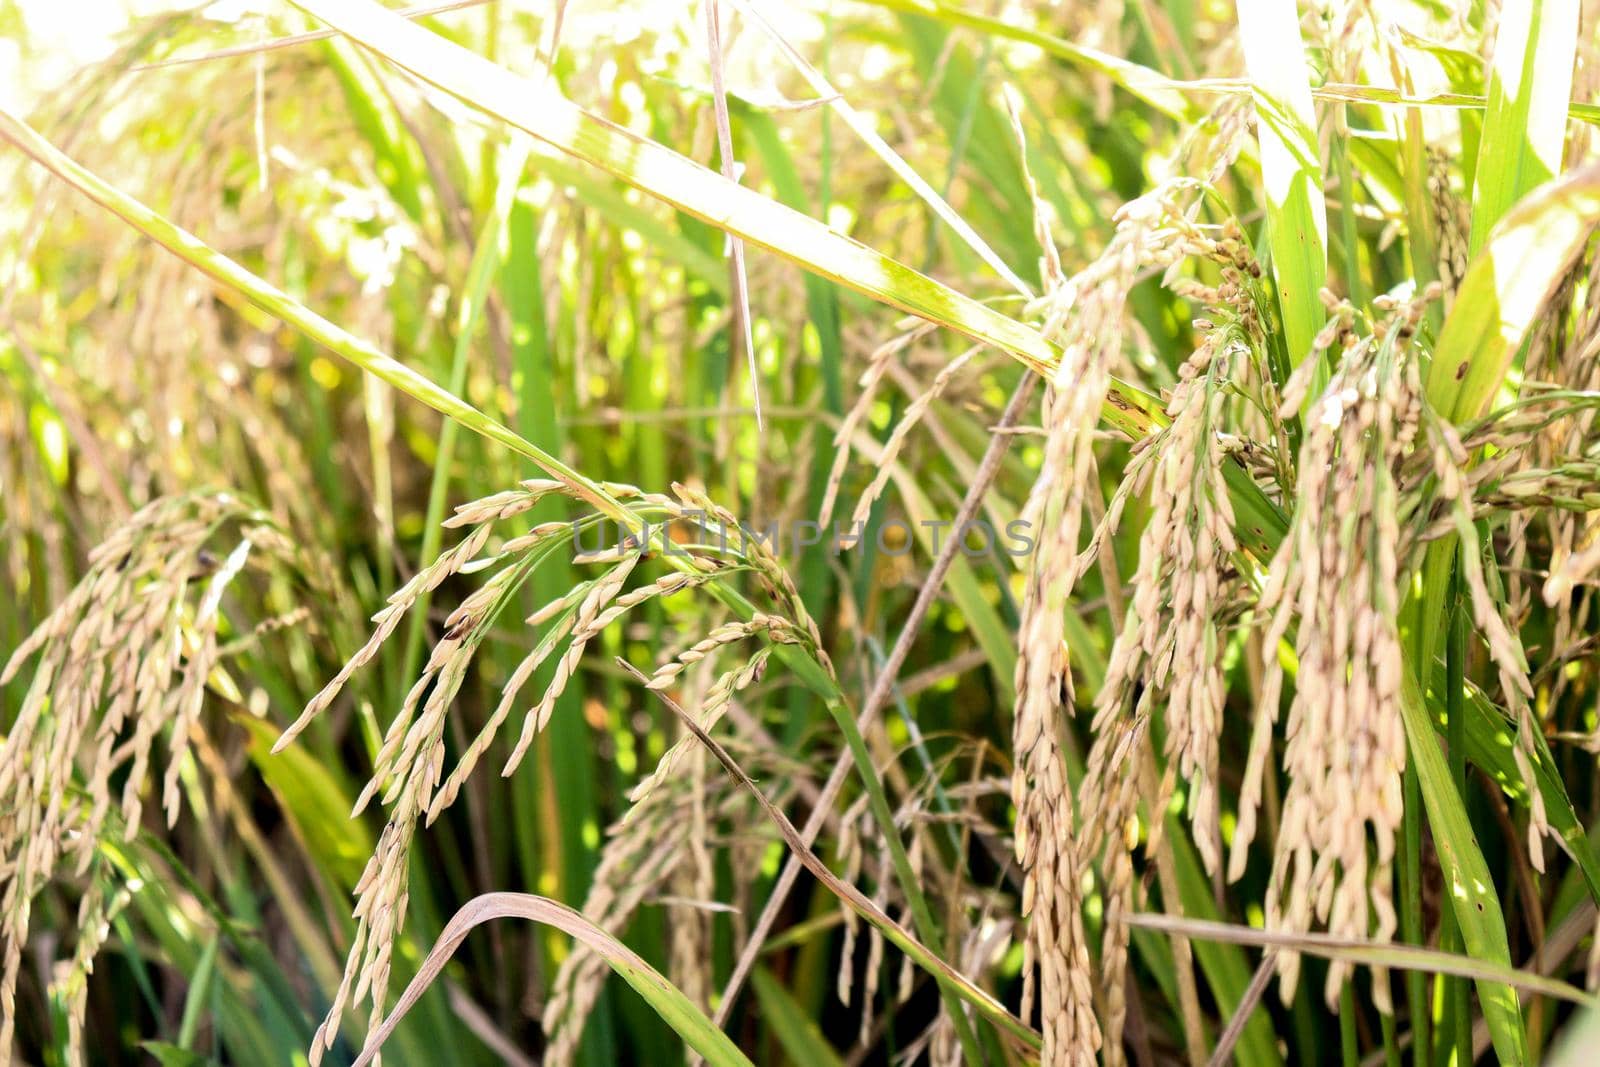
pixel 587 464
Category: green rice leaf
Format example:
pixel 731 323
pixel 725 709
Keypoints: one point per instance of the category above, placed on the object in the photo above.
pixel 1367 953
pixel 1290 168
pixel 864 129
pixel 1505 290
pixel 538 110
pixel 1150 86
pixel 1525 128
pixel 668 1001
pixel 1500 299
pixel 1469 886
pixel 1491 740
pixel 791 1024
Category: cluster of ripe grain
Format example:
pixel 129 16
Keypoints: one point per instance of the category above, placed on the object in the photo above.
pixel 123 660
pixel 409 770
pixel 1155 232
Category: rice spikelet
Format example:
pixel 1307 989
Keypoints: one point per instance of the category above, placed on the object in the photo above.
pixel 124 661
pixel 1338 574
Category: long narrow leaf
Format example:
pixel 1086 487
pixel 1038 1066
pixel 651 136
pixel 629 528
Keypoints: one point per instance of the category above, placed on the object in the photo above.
pixel 668 1001
pixel 1367 953
pixel 1291 168
pixel 795 1030
pixel 862 128
pixel 1526 125
pixel 1505 291
pixel 1468 884
pixel 1500 299
pixel 540 111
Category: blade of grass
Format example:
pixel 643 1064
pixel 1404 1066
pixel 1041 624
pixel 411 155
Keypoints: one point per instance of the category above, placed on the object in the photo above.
pixel 537 381
pixel 200 986
pixel 1525 128
pixel 1490 738
pixel 1369 954
pixel 982 147
pixel 1501 297
pixel 795 1030
pixel 1468 884
pixel 863 129
pixel 540 111
pixel 1457 1018
pixel 1349 1044
pixel 1412 162
pixel 668 1001
pixel 1350 244
pixel 1505 290
pixel 1150 86
pixel 400 166
pixel 166 1055
pixel 1291 168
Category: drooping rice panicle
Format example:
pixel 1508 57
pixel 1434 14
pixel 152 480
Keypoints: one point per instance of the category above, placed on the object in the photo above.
pixel 1152 232
pixel 725 689
pixel 641 855
pixel 124 662
pixel 1338 575
pixel 408 777
pixel 1170 647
